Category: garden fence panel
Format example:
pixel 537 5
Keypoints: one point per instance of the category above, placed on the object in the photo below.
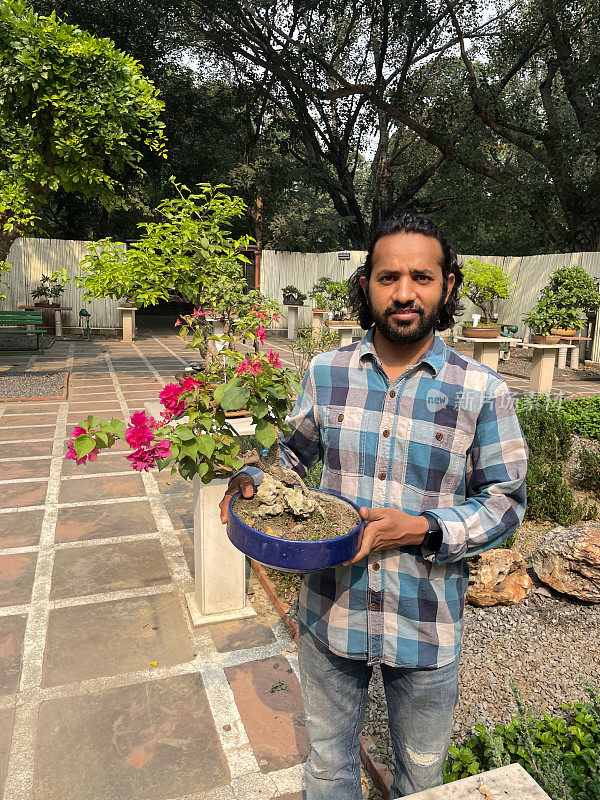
pixel 30 258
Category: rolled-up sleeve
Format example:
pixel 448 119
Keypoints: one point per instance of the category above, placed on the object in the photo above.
pixel 496 494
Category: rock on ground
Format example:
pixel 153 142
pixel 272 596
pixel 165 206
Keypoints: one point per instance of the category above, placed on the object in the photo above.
pixel 568 560
pixel 498 577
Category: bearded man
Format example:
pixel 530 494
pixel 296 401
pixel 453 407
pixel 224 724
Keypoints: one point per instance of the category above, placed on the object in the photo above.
pixel 426 441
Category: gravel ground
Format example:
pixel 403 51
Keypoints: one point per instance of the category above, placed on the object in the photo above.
pixel 31 384
pixel 20 341
pixel 547 645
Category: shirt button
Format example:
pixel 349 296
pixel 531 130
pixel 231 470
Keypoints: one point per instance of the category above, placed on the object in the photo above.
pixel 376 566
pixel 386 434
pixel 374 607
pixel 439 436
pixel 392 393
pixel 340 417
pixel 382 476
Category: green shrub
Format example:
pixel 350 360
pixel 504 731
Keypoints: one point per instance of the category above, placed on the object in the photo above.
pixel 583 413
pixel 549 433
pixel 561 753
pixel 589 469
pixel 549 496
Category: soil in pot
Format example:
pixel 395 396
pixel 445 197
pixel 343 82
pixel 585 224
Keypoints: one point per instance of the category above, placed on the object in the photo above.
pixel 340 518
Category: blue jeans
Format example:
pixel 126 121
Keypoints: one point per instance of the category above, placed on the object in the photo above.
pixel 420 708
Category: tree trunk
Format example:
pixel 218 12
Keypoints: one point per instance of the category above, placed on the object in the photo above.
pixel 7 238
pixel 256 212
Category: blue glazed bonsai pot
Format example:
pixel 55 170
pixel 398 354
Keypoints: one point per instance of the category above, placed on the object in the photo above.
pixel 291 555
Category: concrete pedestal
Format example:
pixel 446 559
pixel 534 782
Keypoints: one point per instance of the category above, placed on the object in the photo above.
pixel 318 318
pixel 292 322
pixel 487 351
pixel 561 357
pixel 509 783
pixel 128 323
pixel 345 332
pixel 542 368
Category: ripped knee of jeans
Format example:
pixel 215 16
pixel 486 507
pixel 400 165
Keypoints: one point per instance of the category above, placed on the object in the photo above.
pixel 423 759
pixel 320 768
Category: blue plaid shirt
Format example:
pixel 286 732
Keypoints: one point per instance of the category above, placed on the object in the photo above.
pixel 443 438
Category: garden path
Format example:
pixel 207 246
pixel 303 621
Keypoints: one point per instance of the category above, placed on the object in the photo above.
pixel 105 689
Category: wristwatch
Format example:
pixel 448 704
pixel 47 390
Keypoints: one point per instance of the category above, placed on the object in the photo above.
pixel 433 537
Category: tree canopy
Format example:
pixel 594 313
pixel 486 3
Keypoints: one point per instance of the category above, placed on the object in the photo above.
pixel 74 113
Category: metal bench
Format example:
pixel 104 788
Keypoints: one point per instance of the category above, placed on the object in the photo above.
pixel 25 322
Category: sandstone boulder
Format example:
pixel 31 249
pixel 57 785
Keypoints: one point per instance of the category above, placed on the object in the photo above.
pixel 498 577
pixel 568 560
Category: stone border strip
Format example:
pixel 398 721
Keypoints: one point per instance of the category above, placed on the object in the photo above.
pixel 63 396
pixel 380 774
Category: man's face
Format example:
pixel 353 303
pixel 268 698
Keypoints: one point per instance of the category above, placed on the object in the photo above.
pixel 406 286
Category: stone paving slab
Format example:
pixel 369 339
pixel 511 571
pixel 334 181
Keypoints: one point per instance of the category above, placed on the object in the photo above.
pixel 149 741
pixel 6 724
pixel 12 632
pixel 81 571
pixel 240 635
pixel 75 490
pixel 20 528
pixel 16 495
pixel 268 696
pixel 80 523
pixel 39 468
pixel 31 449
pixel 24 433
pixel 113 637
pixel 16 578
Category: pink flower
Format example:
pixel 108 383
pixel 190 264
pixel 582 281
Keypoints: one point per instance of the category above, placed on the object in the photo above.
pixel 198 313
pixel 243 367
pixel 274 359
pixel 169 398
pixel 262 315
pixel 139 431
pixel 143 460
pixel 276 317
pixel 255 367
pixel 189 384
pixel 78 431
pixel 261 335
pixel 178 323
pixel 91 456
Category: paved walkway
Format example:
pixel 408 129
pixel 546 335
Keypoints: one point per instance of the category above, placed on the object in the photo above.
pixel 106 692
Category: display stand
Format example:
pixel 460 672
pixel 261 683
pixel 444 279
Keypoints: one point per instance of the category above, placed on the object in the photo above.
pixel 128 323
pixel 487 351
pixel 292 322
pixel 318 318
pixel 57 315
pixel 346 331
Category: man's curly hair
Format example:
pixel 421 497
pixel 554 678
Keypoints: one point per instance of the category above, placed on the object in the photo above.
pixel 409 222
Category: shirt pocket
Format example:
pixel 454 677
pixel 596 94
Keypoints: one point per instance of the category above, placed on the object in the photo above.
pixel 437 458
pixel 345 438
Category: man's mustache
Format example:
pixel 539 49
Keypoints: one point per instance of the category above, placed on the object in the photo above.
pixel 402 310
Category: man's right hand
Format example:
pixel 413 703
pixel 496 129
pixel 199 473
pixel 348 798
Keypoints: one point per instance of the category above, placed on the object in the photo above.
pixel 241 483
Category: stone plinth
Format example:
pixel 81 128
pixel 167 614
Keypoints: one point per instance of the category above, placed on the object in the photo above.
pixel 128 323
pixel 292 322
pixel 509 783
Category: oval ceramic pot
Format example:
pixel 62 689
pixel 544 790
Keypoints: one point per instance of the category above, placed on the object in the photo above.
pixel 538 338
pixel 288 302
pixel 563 332
pixel 481 331
pixel 292 555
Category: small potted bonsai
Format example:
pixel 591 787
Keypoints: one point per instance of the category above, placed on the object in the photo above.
pixel 293 296
pixel 573 288
pixel 50 289
pixel 332 296
pixel 484 284
pixel 547 316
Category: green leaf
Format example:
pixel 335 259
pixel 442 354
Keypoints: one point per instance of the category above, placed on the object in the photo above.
pixel 234 396
pixel 184 433
pixel 265 433
pixel 83 445
pixel 205 445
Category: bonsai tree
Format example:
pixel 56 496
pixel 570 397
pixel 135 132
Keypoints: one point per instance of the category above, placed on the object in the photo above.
pixel 331 296
pixel 50 287
pixel 293 296
pixel 547 315
pixel 573 287
pixel 484 284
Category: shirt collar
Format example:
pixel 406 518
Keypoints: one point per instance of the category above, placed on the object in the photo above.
pixel 435 356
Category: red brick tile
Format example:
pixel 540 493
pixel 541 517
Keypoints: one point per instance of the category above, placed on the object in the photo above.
pixel 23 434
pixel 100 522
pixel 17 495
pixel 267 694
pixel 16 578
pixel 32 449
pixel 25 469
pixel 75 490
pixel 27 419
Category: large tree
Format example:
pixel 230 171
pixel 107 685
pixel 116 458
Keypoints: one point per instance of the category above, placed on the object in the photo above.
pixel 529 74
pixel 74 113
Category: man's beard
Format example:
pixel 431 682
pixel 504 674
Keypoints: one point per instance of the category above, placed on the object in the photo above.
pixel 405 333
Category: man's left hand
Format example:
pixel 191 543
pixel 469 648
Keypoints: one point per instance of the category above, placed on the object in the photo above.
pixel 388 528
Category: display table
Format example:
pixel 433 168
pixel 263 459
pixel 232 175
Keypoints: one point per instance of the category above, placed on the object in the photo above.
pixel 487 351
pixel 345 329
pixel 292 322
pixel 220 568
pixel 542 366
pixel 128 323
pixel 57 318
